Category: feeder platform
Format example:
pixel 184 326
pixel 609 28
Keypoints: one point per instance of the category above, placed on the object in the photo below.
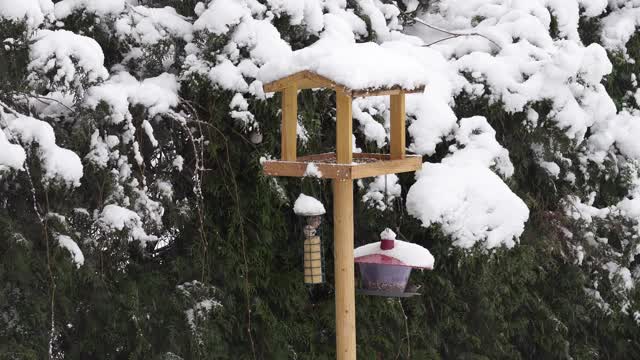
pixel 363 165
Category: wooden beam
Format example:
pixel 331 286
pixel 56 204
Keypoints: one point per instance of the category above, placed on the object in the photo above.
pixel 309 80
pixel 344 270
pixel 331 170
pixel 398 142
pixel 289 125
pixel 298 169
pixel 394 90
pixel 318 157
pixel 281 84
pixel 409 163
pixel 344 128
pixel 303 79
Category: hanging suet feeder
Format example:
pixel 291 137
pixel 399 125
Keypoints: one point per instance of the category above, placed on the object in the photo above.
pixel 311 210
pixel 385 266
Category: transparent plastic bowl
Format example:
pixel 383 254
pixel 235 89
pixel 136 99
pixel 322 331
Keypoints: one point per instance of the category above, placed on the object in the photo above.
pixel 387 278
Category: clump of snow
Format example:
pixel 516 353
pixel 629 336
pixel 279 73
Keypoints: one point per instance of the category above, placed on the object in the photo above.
pixel 363 111
pixel 33 11
pixel 387 234
pixel 407 253
pixel 228 76
pixel 220 15
pixel 71 246
pixel 353 65
pixel 312 171
pixel 159 94
pixel 150 25
pixel 619 25
pixel 551 167
pixel 65 8
pixel 58 163
pixel 72 56
pixel 11 155
pixel 200 311
pixel 308 206
pixel 114 217
pixel 382 191
pixel 470 202
pixel 586 212
pixel 621 272
pixel 476 144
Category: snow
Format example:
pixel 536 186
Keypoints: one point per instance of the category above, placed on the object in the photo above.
pixel 578 210
pixel 200 311
pixel 382 191
pixel 76 254
pixel 619 25
pixel 58 163
pixel 11 155
pixel 228 77
pixel 150 25
pixel 615 270
pixel 312 171
pixel 119 218
pixel 353 65
pixel 71 56
pixel 470 202
pixel 387 234
pixel 65 8
pixel 551 167
pixel 220 15
pixel 158 93
pixel 308 206
pixel 408 253
pixel 148 129
pixel 476 144
pixel 363 111
pixel 34 11
pixel 307 12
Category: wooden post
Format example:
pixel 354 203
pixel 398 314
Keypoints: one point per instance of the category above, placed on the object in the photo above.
pixel 289 125
pixel 344 128
pixel 343 236
pixel 397 126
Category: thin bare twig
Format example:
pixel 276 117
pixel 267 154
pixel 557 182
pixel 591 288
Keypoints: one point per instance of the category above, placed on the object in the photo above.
pixel 453 35
pixel 406 329
pixel 40 97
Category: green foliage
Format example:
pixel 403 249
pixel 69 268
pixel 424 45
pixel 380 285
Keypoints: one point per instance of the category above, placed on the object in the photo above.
pixel 524 303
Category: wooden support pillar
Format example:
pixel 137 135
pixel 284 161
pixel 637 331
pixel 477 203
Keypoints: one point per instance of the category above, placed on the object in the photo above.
pixel 289 128
pixel 344 128
pixel 398 142
pixel 343 236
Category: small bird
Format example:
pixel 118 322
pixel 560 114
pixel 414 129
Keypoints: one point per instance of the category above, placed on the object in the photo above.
pixel 413 288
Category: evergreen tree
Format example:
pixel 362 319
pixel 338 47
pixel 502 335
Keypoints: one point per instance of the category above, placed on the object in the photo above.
pixel 135 221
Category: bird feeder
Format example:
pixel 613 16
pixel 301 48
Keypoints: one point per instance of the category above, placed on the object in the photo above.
pixel 311 210
pixel 385 266
pixel 351 70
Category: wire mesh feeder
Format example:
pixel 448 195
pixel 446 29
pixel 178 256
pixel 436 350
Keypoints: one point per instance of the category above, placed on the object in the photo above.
pixel 313 252
pixel 385 266
pixel 310 211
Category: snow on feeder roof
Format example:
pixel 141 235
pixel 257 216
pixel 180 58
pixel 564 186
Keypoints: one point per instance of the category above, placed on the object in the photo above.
pixel 308 206
pixel 390 251
pixel 358 69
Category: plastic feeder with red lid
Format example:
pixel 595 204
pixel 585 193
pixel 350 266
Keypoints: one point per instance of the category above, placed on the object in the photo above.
pixel 385 265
